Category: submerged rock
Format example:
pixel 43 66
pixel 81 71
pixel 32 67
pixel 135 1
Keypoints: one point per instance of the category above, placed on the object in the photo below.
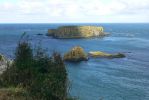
pixel 118 55
pixel 103 54
pixel 76 32
pixel 39 34
pixel 76 54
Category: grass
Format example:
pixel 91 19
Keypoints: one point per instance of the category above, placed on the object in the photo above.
pixel 13 93
pixel 100 54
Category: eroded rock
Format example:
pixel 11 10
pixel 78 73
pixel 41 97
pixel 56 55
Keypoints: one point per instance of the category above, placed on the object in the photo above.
pixel 76 54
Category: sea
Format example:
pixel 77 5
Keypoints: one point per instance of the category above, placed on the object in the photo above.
pixel 98 78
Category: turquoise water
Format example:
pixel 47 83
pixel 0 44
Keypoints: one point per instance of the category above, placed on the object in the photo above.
pixel 100 78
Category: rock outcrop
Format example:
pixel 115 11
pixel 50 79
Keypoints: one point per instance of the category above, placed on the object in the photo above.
pixel 107 55
pixel 4 63
pixel 75 54
pixel 76 32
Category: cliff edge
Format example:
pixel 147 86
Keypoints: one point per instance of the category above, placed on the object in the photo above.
pixel 76 32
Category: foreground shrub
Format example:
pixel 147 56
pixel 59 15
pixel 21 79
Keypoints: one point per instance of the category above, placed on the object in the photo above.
pixel 43 77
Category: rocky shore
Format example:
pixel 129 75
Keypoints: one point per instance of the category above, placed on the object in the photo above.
pixel 76 32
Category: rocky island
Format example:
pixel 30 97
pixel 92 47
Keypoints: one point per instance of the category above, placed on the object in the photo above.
pixel 77 54
pixel 76 32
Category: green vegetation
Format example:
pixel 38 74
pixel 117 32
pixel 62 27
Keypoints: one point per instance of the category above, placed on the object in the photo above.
pixel 76 32
pixel 1 57
pixel 34 76
pixel 103 54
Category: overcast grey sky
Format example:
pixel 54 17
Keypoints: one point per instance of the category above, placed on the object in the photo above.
pixel 74 11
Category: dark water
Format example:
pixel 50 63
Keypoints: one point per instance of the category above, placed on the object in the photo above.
pixel 97 79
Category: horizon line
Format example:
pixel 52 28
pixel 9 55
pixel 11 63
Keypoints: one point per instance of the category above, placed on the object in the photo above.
pixel 84 23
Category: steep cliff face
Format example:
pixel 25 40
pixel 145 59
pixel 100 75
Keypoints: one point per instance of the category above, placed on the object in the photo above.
pixel 76 32
pixel 51 32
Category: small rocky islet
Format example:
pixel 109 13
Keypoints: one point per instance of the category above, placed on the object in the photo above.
pixel 77 54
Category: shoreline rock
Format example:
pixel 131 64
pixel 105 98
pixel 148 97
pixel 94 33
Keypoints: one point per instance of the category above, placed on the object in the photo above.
pixel 68 32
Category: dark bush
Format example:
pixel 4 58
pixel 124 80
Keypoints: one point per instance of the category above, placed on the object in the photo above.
pixel 44 77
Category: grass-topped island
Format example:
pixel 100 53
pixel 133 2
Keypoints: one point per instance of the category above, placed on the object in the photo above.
pixel 68 32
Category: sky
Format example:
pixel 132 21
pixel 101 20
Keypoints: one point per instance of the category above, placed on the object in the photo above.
pixel 74 11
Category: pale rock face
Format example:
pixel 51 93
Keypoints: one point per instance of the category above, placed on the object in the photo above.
pixel 76 32
pixel 3 63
